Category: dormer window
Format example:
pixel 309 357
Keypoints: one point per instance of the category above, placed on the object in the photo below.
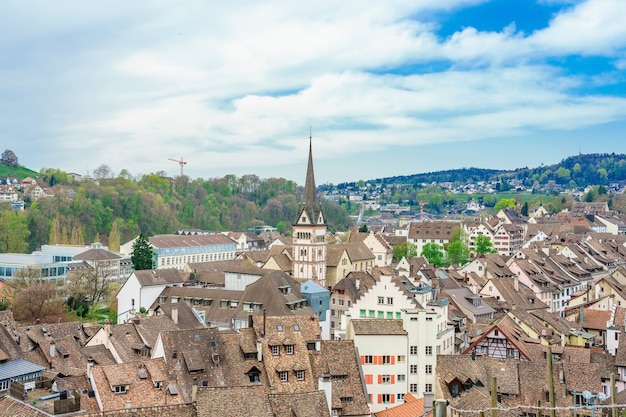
pixel 289 349
pixel 120 389
pixel 254 375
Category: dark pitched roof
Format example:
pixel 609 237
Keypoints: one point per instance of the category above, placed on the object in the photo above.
pixel 338 360
pixel 432 229
pixel 378 327
pixel 234 401
pixel 96 254
pixel 149 277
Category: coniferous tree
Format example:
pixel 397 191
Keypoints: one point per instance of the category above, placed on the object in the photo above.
pixel 142 253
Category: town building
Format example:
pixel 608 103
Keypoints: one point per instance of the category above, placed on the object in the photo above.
pixel 309 233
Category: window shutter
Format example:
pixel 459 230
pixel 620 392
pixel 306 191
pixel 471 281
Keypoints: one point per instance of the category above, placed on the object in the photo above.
pixel 393 360
pixel 393 379
pixel 380 398
pixel 362 359
pixel 380 378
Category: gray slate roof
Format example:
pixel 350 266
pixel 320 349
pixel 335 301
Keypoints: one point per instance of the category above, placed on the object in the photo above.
pixel 18 367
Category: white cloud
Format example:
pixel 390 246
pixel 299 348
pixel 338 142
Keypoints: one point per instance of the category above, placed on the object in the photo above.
pixel 238 85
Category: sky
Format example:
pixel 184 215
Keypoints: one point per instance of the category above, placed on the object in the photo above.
pixel 384 88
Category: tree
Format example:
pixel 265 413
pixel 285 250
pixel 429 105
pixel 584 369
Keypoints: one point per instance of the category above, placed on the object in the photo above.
pixel 433 254
pixel 457 251
pixel 505 203
pixel 405 250
pixel 86 286
pixel 281 227
pixel 484 245
pixel 524 210
pixel 77 236
pixel 363 228
pixel 35 299
pixel 142 253
pixel 55 232
pixel 114 238
pixel 103 171
pixel 13 232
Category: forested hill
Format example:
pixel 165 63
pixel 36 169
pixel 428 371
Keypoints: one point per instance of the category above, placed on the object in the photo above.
pixel 93 210
pixel 578 171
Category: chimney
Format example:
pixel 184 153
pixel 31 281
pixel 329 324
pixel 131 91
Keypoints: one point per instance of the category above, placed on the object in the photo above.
pixel 107 333
pixel 175 315
pixel 264 320
pixel 429 399
pixel 250 320
pixel 259 351
pixel 326 385
pixel 90 363
pixel 357 284
pixel 516 283
pixel 582 313
pixel 52 349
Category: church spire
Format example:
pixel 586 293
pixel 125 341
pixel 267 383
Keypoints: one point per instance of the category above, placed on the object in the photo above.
pixel 310 192
pixel 310 205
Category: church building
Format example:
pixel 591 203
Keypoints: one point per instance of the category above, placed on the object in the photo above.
pixel 309 233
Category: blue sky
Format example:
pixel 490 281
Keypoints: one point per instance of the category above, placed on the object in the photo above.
pixel 389 88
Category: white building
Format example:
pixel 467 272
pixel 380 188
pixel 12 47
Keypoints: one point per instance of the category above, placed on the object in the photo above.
pixel 382 346
pixel 427 333
pixel 177 250
pixel 142 288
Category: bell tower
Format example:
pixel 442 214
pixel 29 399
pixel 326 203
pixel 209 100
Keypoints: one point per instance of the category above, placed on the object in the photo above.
pixel 309 233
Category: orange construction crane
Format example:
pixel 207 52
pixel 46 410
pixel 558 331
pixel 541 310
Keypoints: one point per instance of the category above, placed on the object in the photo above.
pixel 181 162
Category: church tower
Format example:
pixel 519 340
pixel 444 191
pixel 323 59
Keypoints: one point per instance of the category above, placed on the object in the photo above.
pixel 309 233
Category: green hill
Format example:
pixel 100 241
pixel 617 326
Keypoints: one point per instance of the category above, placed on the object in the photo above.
pixel 16 172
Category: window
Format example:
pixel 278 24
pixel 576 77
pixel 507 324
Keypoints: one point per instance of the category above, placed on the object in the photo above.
pixel 386 398
pixel 413 369
pixel 254 375
pixel 381 300
pixel 401 358
pixel 289 349
pixel 413 388
pixel 386 379
pixel 300 375
pixel 428 388
pixel 429 369
pixel 413 350
pixel 390 300
pixel 496 333
pixel 283 375
pixel 401 377
pixel 120 389
pixel 429 350
pixel 368 359
pixel 386 360
pixel 275 350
